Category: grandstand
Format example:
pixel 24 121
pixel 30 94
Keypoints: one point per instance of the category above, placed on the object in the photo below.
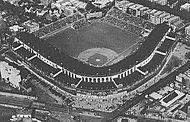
pixel 59 24
pixel 96 85
pixel 82 76
pixel 153 64
pixel 43 66
pixel 141 14
pixel 130 79
pixel 64 78
pixel 137 22
pixel 24 52
pixel 166 45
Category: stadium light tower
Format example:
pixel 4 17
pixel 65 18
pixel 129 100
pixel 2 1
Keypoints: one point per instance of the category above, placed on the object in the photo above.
pixel 109 71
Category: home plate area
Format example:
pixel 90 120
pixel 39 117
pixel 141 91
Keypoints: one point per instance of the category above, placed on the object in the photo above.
pixel 97 56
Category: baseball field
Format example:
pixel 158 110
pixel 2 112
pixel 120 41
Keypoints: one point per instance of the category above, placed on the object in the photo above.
pixel 97 35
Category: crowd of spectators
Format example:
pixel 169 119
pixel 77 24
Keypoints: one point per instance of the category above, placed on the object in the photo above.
pixel 57 25
pixel 123 25
pixel 106 105
pixel 148 25
pixel 131 19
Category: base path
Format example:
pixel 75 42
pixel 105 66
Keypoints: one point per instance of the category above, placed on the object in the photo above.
pixel 97 56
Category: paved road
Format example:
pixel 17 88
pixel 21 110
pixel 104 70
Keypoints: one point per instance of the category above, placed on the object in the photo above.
pixel 153 88
pixel 14 101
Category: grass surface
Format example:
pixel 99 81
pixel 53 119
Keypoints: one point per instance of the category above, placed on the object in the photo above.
pixel 97 35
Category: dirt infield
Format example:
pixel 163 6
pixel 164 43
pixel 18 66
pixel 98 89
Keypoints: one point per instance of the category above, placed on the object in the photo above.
pixel 97 35
pixel 97 56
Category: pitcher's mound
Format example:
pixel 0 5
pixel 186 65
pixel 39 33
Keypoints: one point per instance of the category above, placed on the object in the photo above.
pixel 97 56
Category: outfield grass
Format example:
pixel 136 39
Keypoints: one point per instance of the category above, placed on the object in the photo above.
pixel 97 35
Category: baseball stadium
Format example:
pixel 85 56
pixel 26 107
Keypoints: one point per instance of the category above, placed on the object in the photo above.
pixel 106 55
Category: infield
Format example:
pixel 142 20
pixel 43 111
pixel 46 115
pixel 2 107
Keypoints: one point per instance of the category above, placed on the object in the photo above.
pixel 96 35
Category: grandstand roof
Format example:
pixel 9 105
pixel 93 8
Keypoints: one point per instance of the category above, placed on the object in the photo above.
pixel 81 68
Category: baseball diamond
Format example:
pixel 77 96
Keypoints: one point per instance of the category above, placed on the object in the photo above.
pixel 97 56
pixel 98 37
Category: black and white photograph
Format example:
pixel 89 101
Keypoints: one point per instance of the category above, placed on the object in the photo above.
pixel 94 60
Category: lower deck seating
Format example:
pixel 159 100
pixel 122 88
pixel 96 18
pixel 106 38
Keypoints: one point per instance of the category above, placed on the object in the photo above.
pixel 63 78
pixel 130 79
pixel 96 85
pixel 43 66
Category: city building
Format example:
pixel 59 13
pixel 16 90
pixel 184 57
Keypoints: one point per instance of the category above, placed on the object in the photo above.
pixel 12 1
pixel 162 16
pixel 187 31
pixel 31 26
pixel 69 10
pixel 171 98
pixel 10 74
pixel 15 28
pixel 188 113
pixel 162 2
pixel 94 15
pixel 46 2
pixel 185 7
pixel 101 3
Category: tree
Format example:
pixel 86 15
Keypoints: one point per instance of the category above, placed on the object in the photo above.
pixel 174 62
pixel 187 55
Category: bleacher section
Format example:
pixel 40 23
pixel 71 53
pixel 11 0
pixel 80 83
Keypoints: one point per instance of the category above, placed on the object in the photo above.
pixel 150 14
pixel 136 21
pixel 123 25
pixel 57 25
